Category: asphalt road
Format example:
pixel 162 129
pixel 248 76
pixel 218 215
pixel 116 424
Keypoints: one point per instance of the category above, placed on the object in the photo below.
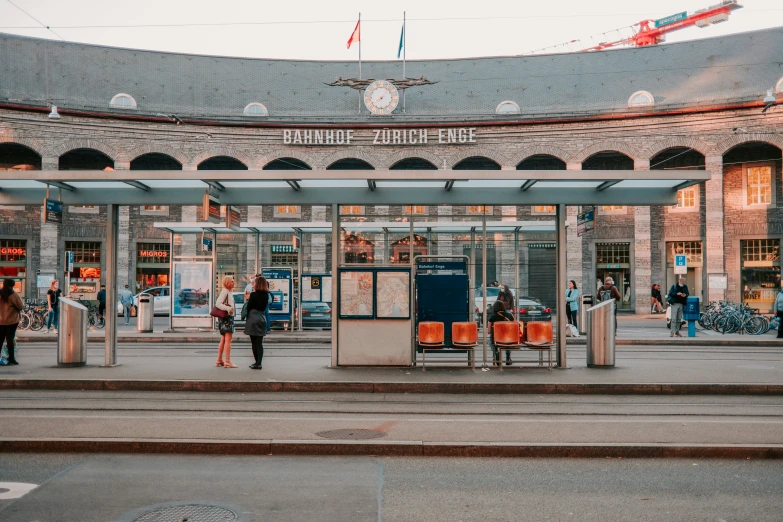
pixel 106 488
pixel 527 419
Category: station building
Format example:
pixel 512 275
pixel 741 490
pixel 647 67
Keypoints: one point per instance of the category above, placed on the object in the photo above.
pixel 693 105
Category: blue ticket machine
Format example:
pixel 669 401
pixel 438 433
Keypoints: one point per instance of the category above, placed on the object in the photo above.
pixel 691 314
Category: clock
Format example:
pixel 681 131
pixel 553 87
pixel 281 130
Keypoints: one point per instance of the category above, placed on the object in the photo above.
pixel 381 97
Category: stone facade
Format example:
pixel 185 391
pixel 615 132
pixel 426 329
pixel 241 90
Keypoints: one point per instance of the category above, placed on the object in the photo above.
pixel 720 220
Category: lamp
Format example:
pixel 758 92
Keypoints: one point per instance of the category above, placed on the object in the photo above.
pixel 56 115
pixel 769 101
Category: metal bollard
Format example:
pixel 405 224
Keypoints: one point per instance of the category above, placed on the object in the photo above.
pixel 72 338
pixel 601 335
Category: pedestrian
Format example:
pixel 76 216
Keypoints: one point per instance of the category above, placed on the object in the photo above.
pixel 572 303
pixel 779 312
pixel 255 326
pixel 102 301
pixel 53 300
pixel 609 291
pixel 507 298
pixel 598 285
pixel 499 313
pixel 677 297
pixel 225 302
pixel 126 300
pixel 10 307
pixel 656 300
pixel 250 287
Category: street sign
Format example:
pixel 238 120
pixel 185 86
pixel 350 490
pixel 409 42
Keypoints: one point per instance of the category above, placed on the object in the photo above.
pixel 54 211
pixel 585 221
pixel 671 19
pixel 680 264
pixel 206 244
pixel 232 217
pixel 441 265
pixel 210 208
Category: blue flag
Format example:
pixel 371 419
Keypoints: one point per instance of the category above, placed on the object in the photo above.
pixel 402 36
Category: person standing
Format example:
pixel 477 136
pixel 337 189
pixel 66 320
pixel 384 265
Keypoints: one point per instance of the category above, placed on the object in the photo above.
pixel 506 297
pixel 609 291
pixel 678 296
pixel 779 312
pixel 10 307
pixel 572 303
pixel 53 300
pixel 102 301
pixel 126 300
pixel 225 302
pixel 255 326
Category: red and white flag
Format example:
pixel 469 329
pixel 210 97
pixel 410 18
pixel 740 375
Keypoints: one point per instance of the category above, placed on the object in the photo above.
pixel 355 36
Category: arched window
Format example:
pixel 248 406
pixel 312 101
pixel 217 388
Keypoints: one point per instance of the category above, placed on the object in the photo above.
pixel 255 109
pixel 287 164
pixel 641 99
pixel 350 164
pixel 507 107
pixel 413 164
pixel 221 163
pixel 779 87
pixel 122 101
pixel 477 163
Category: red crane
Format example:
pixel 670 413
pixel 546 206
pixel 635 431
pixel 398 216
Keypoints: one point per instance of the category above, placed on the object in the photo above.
pixel 652 32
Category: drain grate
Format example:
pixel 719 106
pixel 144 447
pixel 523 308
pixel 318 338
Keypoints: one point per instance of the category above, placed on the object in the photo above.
pixel 189 513
pixel 351 434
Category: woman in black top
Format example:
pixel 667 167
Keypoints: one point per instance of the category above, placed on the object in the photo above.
pixel 498 314
pixel 656 298
pixel 255 325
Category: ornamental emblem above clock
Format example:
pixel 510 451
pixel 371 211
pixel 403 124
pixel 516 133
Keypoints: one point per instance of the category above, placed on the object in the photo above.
pixel 381 97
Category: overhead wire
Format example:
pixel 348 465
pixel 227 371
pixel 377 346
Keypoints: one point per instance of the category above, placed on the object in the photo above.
pixel 43 25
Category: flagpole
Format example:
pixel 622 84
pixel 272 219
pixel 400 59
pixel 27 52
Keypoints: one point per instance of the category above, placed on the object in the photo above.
pixel 404 50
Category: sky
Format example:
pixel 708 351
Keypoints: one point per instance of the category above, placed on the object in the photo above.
pixel 319 29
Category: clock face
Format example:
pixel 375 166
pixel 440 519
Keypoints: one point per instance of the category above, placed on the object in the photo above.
pixel 381 97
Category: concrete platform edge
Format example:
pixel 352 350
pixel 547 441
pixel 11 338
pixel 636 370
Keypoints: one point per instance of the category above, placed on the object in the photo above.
pixel 393 448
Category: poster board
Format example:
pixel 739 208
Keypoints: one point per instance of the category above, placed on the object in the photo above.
pixel 280 291
pixel 357 294
pixel 393 294
pixel 191 289
pixel 326 289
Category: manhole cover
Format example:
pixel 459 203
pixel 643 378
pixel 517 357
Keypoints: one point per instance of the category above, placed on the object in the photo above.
pixel 186 512
pixel 351 434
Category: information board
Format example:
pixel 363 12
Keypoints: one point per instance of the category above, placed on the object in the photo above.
pixel 392 294
pixel 280 285
pixel 356 294
pixel 680 264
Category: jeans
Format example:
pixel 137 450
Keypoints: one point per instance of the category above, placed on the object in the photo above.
pixel 8 336
pixel 572 315
pixel 126 312
pixel 52 317
pixel 676 317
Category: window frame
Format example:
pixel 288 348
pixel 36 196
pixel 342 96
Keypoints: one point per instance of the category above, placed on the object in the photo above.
pixel 359 210
pixel 674 209
pixel 772 185
pixel 615 210
pixel 488 210
pixel 276 211
pixel 534 211
pixel 647 94
pixel 162 211
pixel 408 210
pixel 513 104
pixel 252 105
pixel 123 96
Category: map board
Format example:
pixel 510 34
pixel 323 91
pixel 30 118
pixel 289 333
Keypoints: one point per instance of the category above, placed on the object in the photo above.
pixel 393 295
pixel 356 294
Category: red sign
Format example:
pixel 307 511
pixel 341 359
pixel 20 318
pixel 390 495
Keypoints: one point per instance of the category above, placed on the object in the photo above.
pixel 13 251
pixel 153 253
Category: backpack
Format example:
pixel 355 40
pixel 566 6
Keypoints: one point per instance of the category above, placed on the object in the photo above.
pixel 604 295
pixel 670 295
pixel 571 331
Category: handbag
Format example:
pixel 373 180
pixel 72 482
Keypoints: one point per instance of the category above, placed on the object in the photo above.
pixel 218 313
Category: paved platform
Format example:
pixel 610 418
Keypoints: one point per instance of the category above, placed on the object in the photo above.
pixel 639 369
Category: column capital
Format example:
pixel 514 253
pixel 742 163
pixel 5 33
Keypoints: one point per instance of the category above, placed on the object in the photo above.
pixel 714 160
pixel 641 164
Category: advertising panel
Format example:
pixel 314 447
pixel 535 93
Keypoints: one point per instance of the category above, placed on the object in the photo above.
pixel 311 288
pixel 191 288
pixel 279 280
pixel 326 289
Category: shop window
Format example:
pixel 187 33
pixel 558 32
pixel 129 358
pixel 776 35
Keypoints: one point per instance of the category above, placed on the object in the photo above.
pixel 352 210
pixel 154 210
pixel 288 211
pixel 480 209
pixel 760 272
pixel 13 262
pixel 416 210
pixel 613 253
pixel 758 186
pixel 544 209
pixel 152 265
pixel 687 200
pixel 86 274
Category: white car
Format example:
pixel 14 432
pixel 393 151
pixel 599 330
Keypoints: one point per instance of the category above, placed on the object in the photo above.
pixel 492 296
pixel 161 300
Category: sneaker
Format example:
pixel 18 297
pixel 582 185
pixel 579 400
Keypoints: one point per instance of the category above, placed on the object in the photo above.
pixel 678 334
pixel 671 334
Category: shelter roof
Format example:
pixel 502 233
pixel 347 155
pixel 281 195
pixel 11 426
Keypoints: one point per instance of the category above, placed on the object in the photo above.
pixel 708 72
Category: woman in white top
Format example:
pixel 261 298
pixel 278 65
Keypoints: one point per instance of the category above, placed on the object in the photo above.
pixel 225 301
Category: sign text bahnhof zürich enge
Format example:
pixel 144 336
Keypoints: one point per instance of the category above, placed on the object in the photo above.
pixel 444 136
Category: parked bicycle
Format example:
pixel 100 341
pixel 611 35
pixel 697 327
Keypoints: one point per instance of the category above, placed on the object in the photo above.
pixel 729 317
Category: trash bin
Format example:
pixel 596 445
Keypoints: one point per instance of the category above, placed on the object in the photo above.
pixel 587 302
pixel 145 314
pixel 600 335
pixel 72 339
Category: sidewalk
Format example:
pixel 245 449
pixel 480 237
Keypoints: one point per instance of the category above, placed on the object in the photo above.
pixel 640 369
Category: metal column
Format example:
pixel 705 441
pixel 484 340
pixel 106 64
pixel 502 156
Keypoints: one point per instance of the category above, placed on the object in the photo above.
pixel 560 286
pixel 412 236
pixel 112 244
pixel 171 279
pixel 335 281
pixel 299 268
pixel 484 283
pixel 215 284
pixel 472 285
pixel 258 247
pixel 516 274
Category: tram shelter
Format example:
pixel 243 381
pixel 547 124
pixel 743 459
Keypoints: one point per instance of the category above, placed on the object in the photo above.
pixel 335 188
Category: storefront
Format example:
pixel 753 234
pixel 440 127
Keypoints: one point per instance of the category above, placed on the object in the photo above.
pixel 760 272
pixel 152 265
pixel 13 263
pixel 85 278
pixel 614 260
pixel 695 259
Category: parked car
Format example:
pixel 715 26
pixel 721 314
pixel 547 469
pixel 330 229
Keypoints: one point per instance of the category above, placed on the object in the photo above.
pixel 531 309
pixel 191 295
pixel 492 296
pixel 161 300
pixel 316 315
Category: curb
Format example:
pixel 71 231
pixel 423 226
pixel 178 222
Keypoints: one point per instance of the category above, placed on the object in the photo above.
pixel 392 387
pixel 393 448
